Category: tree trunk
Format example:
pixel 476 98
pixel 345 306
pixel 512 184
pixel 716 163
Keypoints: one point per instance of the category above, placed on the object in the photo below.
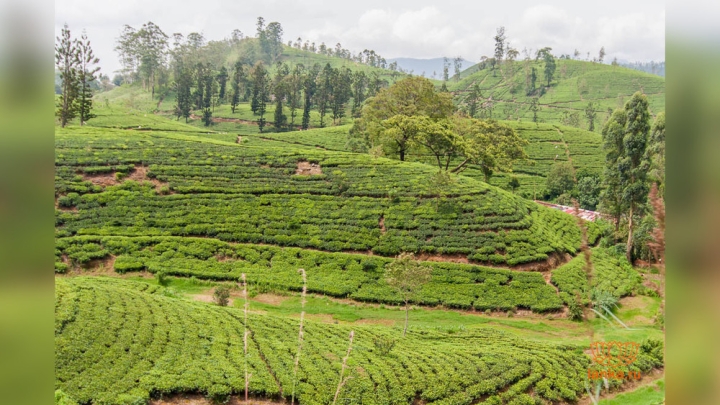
pixel 628 252
pixel 406 318
pixel 402 154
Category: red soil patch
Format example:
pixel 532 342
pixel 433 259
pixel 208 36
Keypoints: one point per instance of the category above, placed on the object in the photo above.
pixel 308 169
pixel 443 258
pixel 139 173
pixel 197 399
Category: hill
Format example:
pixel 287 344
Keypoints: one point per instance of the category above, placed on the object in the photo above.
pixel 548 144
pixel 574 85
pixel 428 66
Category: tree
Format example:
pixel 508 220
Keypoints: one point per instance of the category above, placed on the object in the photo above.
pixel 534 108
pixel 473 99
pixel 183 84
pixel 589 186
pixel 274 44
pixel 222 82
pixel 612 134
pixel 407 97
pixel 238 80
pixel 407 276
pixel 67 59
pixel 208 93
pixel 294 90
pixel 656 153
pixel 359 85
pixel 279 91
pixel 560 179
pixel 324 91
pixel 634 165
pixel 341 92
pixel 309 89
pixel 590 114
pixel 601 55
pixel 437 136
pixel 549 66
pixel 126 48
pixel 260 92
pixel 533 79
pixel 86 76
pixel 513 183
pixel 625 139
pixel 499 46
pixel 490 145
pixel 151 48
pixel 457 64
pixel 446 69
pixel 221 295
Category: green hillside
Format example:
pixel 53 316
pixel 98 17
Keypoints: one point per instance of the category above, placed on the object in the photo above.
pixel 548 144
pixel 246 193
pixel 154 215
pixel 575 84
pixel 123 342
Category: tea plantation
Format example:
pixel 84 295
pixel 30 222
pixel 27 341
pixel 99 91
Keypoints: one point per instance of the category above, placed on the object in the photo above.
pixel 124 342
pixel 252 193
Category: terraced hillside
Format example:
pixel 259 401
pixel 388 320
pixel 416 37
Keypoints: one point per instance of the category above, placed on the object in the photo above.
pixel 548 144
pixel 261 191
pixel 574 85
pixel 125 342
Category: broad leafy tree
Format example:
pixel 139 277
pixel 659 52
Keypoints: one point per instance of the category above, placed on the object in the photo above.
pixel 490 145
pixel 413 96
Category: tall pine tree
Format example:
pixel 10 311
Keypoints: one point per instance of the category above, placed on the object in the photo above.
pixel 279 92
pixel 86 74
pixel 309 90
pixel 67 60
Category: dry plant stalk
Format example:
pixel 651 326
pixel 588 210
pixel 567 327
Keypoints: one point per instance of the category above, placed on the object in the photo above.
pixel 300 333
pixel 245 336
pixel 344 366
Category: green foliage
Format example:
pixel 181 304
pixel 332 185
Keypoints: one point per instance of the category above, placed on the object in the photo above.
pixel 414 96
pixel 355 276
pixel 560 179
pixel 117 340
pixel 62 398
pixel 241 189
pixel 221 295
pixel 576 307
pixel 612 275
pixel 384 345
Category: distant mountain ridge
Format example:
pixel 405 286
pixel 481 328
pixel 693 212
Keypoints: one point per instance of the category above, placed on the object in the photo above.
pixel 428 66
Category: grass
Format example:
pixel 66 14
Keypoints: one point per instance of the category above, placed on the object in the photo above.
pixel 650 394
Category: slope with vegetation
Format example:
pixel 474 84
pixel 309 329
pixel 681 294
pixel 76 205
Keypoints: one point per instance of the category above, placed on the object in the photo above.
pixel 125 342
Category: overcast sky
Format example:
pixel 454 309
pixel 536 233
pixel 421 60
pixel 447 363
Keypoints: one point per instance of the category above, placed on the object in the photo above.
pixel 628 29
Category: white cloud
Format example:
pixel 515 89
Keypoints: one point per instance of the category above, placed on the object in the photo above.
pixel 630 30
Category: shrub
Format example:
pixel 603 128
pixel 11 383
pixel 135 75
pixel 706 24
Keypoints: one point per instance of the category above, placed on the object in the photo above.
pixel 384 345
pixel 161 278
pixel 222 295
